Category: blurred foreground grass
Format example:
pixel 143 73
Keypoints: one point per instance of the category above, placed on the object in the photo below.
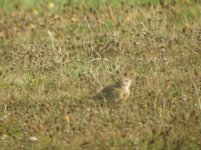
pixel 52 58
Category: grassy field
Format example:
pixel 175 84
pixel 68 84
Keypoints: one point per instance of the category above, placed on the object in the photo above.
pixel 55 54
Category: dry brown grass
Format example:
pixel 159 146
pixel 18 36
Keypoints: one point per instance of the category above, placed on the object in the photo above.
pixel 50 63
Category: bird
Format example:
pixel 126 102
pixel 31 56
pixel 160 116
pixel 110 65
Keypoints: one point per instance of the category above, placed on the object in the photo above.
pixel 119 91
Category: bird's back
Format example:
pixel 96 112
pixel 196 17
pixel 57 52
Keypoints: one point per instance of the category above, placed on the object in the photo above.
pixel 110 93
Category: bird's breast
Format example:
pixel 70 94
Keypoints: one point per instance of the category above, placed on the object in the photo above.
pixel 125 94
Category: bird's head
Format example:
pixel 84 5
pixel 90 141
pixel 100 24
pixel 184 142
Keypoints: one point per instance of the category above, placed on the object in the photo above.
pixel 125 82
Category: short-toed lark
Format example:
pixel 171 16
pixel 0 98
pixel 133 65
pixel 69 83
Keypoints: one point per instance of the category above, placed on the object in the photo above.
pixel 119 91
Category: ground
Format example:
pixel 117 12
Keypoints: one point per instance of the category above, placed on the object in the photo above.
pixel 54 56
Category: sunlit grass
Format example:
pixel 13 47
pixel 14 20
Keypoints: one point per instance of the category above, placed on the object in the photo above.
pixel 53 60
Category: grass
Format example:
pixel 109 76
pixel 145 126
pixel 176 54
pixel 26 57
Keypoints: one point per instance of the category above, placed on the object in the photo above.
pixel 54 57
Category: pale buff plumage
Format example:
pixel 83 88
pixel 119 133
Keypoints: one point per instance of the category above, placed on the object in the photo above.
pixel 119 91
